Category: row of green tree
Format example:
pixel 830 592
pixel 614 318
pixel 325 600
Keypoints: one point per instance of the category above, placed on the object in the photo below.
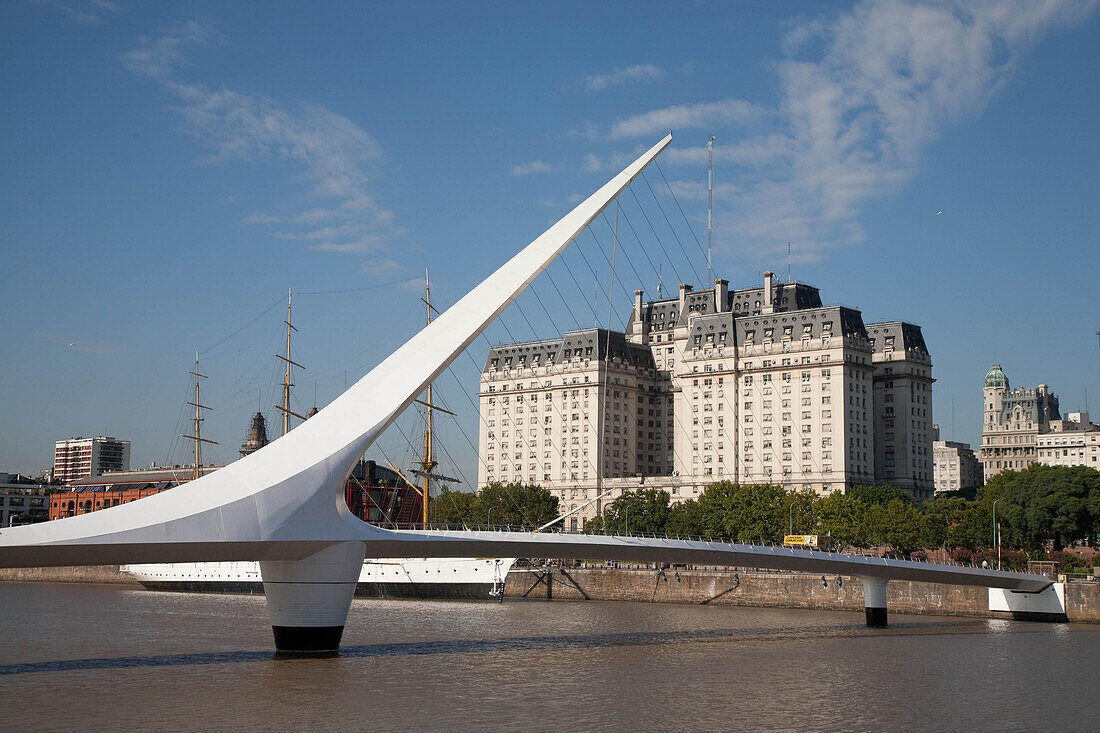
pixel 507 505
pixel 1037 508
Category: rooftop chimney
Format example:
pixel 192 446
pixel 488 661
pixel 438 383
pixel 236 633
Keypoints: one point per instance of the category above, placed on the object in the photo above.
pixel 721 295
pixel 684 290
pixel 769 293
pixel 641 325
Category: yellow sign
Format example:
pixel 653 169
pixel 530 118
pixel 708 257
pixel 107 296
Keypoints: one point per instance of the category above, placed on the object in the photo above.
pixel 801 540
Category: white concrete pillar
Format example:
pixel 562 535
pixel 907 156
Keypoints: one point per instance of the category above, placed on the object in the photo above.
pixel 308 600
pixel 874 599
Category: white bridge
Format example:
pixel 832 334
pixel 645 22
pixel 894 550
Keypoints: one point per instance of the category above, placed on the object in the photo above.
pixel 284 504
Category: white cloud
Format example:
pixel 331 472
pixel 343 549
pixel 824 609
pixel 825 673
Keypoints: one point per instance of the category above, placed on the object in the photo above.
pixel 328 151
pixel 382 267
pixel 261 219
pixel 703 115
pixel 639 73
pixel 370 244
pixel 157 57
pixel 87 12
pixel 697 190
pixel 862 94
pixel 535 166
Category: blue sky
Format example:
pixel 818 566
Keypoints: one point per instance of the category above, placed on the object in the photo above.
pixel 172 169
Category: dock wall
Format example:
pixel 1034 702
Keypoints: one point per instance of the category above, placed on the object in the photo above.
pixel 77 574
pixel 782 590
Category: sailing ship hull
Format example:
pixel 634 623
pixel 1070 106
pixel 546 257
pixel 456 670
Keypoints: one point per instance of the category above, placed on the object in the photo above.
pixel 452 579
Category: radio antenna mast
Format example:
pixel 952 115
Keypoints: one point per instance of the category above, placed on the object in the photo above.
pixel 710 205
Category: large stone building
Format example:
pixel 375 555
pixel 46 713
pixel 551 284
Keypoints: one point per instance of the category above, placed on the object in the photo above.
pixel 1014 420
pixel 760 385
pixel 78 458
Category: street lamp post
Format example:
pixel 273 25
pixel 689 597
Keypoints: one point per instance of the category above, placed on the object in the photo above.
pixel 996 534
pixel 790 519
pixel 487 515
pixel 626 520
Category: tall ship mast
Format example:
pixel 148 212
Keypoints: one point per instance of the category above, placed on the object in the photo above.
pixel 198 420
pixel 427 462
pixel 456 578
pixel 287 384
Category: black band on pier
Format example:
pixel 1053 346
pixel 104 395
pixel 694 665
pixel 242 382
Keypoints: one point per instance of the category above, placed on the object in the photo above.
pixel 876 616
pixel 308 639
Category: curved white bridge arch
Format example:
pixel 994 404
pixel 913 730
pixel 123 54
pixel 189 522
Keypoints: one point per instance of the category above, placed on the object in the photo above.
pixel 284 505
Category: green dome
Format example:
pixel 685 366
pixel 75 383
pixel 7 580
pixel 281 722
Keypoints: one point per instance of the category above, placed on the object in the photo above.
pixel 996 377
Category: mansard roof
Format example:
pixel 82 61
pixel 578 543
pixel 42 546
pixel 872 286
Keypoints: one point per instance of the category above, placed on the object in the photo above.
pixel 907 335
pixel 588 343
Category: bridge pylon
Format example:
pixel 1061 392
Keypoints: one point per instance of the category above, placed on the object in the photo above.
pixel 874 600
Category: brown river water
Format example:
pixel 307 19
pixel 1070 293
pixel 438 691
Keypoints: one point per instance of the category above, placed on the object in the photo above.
pixel 86 657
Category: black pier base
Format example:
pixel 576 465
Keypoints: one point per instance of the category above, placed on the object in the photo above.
pixel 307 640
pixel 876 617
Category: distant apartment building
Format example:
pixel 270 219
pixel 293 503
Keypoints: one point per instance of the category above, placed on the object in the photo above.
pixel 759 385
pixel 1072 441
pixel 24 500
pixel 1014 420
pixel 78 458
pixel 102 491
pixel 956 466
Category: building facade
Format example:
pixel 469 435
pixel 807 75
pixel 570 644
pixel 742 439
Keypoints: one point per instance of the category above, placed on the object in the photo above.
pixel 78 458
pixel 759 385
pixel 93 493
pixel 1073 441
pixel 24 500
pixel 1016 418
pixel 955 466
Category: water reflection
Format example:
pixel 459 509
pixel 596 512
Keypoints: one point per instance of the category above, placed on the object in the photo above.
pixel 524 643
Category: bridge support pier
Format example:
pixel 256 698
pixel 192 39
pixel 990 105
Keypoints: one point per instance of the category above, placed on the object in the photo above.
pixel 874 600
pixel 308 600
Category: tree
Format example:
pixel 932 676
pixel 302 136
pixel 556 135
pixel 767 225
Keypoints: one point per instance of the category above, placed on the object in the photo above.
pixel 876 494
pixel 898 524
pixel 455 507
pixel 1050 503
pixel 747 512
pixel 644 510
pixel 522 505
pixel 801 509
pixel 685 519
pixel 938 516
pixel 844 517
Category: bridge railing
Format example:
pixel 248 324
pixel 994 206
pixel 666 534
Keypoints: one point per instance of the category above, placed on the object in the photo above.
pixel 453 527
